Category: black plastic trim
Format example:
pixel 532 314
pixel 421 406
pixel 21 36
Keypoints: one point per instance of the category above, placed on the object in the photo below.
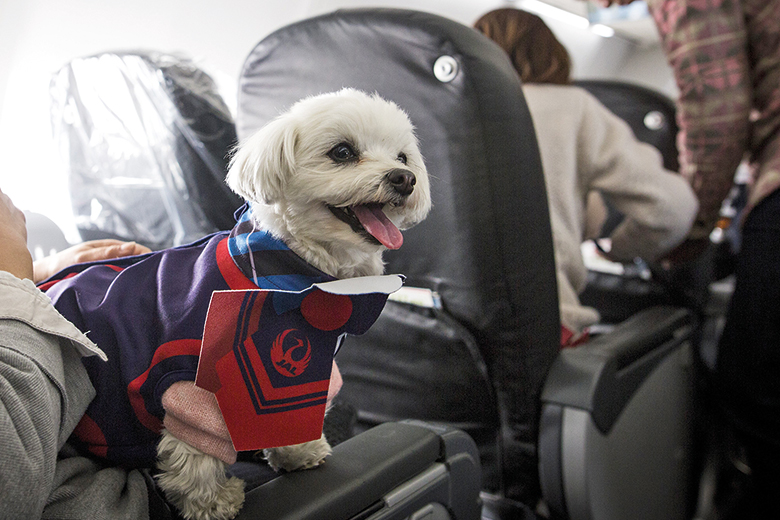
pixel 602 375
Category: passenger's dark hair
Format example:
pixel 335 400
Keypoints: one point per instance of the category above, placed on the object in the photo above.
pixel 536 53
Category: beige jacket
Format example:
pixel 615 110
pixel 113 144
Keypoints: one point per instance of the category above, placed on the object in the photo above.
pixel 585 147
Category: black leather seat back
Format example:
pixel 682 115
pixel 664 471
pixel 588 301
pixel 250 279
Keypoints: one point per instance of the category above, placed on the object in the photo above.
pixel 650 114
pixel 486 247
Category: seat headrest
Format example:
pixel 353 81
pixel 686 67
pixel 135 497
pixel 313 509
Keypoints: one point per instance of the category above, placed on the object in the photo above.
pixel 486 245
pixel 650 114
pixel 144 138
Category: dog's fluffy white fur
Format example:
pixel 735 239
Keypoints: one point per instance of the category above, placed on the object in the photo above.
pixel 317 177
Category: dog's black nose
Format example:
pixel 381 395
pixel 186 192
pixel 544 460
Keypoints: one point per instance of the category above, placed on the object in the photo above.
pixel 403 181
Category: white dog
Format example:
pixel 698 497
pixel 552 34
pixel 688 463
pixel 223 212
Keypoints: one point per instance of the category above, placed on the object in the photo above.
pixel 335 178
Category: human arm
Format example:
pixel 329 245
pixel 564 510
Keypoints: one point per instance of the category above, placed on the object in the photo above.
pixel 85 252
pixel 15 258
pixel 658 205
pixel 44 391
pixel 706 47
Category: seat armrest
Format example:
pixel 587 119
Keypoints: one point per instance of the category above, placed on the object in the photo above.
pixel 601 376
pixel 374 471
pixel 598 400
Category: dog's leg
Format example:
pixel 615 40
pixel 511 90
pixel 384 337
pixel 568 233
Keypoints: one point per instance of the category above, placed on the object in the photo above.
pixel 196 483
pixel 298 456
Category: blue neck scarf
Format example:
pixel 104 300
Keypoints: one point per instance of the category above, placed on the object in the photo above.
pixel 266 260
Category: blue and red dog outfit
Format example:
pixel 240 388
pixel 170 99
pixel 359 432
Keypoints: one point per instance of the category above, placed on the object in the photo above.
pixel 147 313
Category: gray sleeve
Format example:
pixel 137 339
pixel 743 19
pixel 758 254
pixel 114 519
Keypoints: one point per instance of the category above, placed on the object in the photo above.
pixel 44 391
pixel 32 404
pixel 85 488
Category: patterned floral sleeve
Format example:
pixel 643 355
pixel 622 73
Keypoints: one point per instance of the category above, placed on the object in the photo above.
pixel 706 45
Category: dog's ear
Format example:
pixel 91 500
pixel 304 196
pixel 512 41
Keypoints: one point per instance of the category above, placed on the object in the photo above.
pixel 261 165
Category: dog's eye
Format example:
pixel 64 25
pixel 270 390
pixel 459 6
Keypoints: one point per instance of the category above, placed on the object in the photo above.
pixel 402 158
pixel 342 152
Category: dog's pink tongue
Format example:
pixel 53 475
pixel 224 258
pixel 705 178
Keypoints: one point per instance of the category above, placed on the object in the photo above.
pixel 376 222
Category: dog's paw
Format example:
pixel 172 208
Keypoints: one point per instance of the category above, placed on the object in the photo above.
pixel 298 456
pixel 223 503
pixel 196 483
pixel 203 500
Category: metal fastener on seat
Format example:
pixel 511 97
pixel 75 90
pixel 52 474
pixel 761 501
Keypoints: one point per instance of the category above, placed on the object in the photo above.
pixel 445 69
pixel 654 120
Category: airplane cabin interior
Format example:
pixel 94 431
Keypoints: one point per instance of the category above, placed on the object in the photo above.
pixel 120 121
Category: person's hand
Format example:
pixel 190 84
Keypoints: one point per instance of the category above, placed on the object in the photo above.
pixel 14 255
pixel 687 251
pixel 85 252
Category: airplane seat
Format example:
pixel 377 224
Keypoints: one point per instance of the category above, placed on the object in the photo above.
pixel 476 136
pixel 474 347
pixel 405 470
pixel 596 409
pixel 473 340
pixel 649 113
pixel 144 139
pixel 702 285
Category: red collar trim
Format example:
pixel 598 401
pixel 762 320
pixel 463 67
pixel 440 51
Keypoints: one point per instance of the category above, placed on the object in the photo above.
pixel 235 279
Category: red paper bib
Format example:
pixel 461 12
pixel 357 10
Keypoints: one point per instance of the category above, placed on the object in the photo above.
pixel 267 355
